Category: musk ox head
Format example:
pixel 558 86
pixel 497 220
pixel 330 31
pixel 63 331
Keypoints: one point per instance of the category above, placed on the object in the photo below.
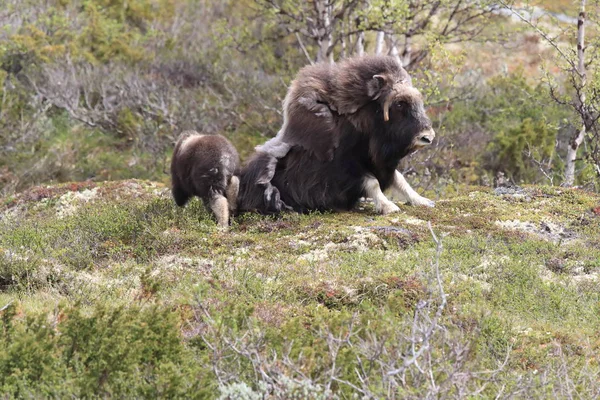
pixel 377 95
pixel 399 110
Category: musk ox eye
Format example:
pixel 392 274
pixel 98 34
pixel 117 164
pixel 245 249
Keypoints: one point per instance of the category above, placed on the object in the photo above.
pixel 401 105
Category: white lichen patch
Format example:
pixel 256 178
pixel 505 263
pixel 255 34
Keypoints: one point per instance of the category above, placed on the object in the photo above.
pixel 490 262
pixel 86 283
pixel 485 286
pixel 173 264
pixel 11 255
pixel 577 277
pixel 361 241
pixel 515 193
pixel 515 224
pixel 100 280
pixel 364 239
pixel 320 254
pixel 592 278
pixel 298 244
pixel 547 230
pixel 12 214
pixel 481 274
pixel 70 202
pixel 134 189
pixel 415 221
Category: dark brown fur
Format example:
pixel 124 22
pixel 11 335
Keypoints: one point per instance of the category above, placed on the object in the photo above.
pixel 322 91
pixel 206 166
pixel 344 125
pixel 256 191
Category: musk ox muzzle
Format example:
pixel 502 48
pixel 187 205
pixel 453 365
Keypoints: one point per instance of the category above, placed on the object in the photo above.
pixel 424 138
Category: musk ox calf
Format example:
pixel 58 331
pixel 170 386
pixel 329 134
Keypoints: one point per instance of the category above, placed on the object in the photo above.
pixel 206 166
pixel 346 127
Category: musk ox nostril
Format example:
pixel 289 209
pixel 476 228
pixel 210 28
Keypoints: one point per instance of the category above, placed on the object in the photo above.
pixel 426 137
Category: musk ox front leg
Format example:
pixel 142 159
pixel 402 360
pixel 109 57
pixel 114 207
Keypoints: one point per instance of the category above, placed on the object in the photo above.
pixel 373 190
pixel 403 192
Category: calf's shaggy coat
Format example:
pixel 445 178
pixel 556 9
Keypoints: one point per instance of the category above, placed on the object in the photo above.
pixel 346 127
pixel 206 166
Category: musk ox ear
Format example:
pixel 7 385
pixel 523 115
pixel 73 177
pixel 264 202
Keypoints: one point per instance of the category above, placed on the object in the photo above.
pixel 381 87
pixel 377 86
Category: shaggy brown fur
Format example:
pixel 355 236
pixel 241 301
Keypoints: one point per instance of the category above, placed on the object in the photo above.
pixel 206 166
pixel 346 127
pixel 322 91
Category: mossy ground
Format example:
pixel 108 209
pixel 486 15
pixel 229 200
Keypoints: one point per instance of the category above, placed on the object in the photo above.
pixel 112 291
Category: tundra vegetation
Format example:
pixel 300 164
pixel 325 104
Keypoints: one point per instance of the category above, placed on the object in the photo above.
pixel 107 289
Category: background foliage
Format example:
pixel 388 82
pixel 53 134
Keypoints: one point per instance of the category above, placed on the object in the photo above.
pixel 96 90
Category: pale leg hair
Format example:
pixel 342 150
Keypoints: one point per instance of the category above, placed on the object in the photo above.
pixel 275 147
pixel 402 191
pixel 373 190
pixel 232 193
pixel 220 206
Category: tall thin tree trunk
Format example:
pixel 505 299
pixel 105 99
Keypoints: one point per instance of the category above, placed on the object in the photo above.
pixel 379 42
pixel 343 53
pixel 393 48
pixel 328 22
pixel 324 40
pixel 407 53
pixel 359 45
pixel 577 139
pixel 359 48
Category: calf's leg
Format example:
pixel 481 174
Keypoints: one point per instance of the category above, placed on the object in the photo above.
pixel 220 207
pixel 181 197
pixel 232 193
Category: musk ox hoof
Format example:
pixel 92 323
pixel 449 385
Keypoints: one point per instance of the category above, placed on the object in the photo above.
pixel 421 201
pixel 389 208
pixel 222 228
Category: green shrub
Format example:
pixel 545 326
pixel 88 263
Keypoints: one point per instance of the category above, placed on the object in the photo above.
pixel 104 352
pixel 512 126
pixel 523 150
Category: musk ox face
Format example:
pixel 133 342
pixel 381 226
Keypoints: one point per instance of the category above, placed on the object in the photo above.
pixel 403 113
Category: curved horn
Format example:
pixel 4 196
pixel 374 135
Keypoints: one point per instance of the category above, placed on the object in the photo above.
pixel 386 106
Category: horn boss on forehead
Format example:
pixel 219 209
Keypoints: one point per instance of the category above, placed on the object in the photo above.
pixel 400 91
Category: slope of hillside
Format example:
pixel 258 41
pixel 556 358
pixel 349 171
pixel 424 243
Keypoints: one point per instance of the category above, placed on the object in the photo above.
pixel 110 290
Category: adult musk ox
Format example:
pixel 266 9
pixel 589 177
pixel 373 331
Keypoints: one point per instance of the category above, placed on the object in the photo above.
pixel 346 127
pixel 206 166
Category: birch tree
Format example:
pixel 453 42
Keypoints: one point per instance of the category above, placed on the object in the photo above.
pixel 578 93
pixel 579 101
pixel 323 28
pixel 326 30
